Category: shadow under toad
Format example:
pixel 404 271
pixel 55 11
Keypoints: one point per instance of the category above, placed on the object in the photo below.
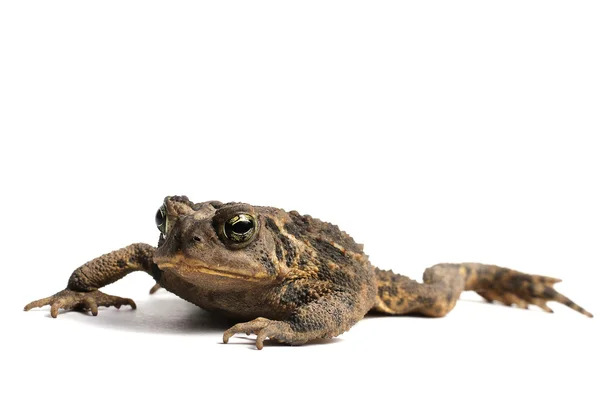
pixel 161 313
pixel 164 312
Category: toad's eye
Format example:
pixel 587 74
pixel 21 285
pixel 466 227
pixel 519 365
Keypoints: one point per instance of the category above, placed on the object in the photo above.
pixel 240 228
pixel 161 219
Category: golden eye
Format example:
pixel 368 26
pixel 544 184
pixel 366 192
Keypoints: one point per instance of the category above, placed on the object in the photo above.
pixel 161 219
pixel 240 228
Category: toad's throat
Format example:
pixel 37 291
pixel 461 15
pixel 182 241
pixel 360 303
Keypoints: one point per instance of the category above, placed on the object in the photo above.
pixel 185 269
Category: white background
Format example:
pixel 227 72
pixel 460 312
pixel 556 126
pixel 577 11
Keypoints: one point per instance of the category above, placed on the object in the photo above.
pixel 429 130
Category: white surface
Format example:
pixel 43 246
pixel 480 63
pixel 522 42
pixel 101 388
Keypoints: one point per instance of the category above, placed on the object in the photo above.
pixel 430 131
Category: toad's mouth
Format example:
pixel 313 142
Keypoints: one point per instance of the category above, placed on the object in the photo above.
pixel 190 270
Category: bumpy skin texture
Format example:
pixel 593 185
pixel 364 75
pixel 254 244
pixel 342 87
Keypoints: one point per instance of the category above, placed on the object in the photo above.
pixel 295 278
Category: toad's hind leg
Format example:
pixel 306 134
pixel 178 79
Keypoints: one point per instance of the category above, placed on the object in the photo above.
pixel 443 283
pixel 397 294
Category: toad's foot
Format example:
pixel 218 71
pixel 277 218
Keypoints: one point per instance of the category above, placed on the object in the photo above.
pixel 73 300
pixel 524 289
pixel 263 328
pixel 155 288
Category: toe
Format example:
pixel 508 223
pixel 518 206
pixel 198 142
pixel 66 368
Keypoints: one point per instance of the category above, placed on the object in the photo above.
pixel 514 299
pixel 238 328
pixel 91 305
pixel 541 304
pixel 130 303
pixel 154 288
pixel 57 305
pixel 38 303
pixel 227 335
pixel 260 338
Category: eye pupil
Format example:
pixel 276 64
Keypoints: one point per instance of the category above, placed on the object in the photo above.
pixel 240 228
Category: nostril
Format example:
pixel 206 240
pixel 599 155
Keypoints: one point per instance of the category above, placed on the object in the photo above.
pixel 196 238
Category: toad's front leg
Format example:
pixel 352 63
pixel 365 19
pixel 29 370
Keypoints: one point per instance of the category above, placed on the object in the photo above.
pixel 326 317
pixel 82 290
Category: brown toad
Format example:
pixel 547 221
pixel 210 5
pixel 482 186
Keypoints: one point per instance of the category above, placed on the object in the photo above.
pixel 296 277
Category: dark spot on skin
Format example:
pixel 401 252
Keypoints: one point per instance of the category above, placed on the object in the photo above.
pixel 269 265
pixel 449 297
pixel 400 302
pixel 387 302
pixel 426 302
pixel 341 277
pixel 300 224
pixel 121 263
pixel 296 294
pixel 278 252
pixel 327 251
pixel 324 272
pixel 498 275
pixel 272 225
pixel 519 282
pixel 549 293
pixel 290 250
pixel 387 290
pixel 303 262
pixel 294 230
